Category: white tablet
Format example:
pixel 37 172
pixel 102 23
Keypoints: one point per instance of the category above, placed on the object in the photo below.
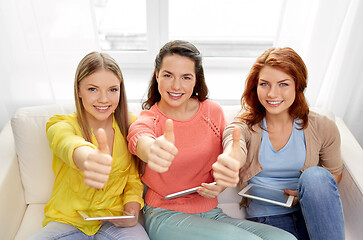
pixel 267 194
pixel 103 214
pixel 185 192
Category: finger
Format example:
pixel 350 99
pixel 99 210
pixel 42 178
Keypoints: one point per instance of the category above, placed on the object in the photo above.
pixel 224 181
pixel 209 186
pixel 235 144
pixel 94 184
pixel 94 176
pixel 168 150
pixel 169 131
pixel 291 192
pixel 225 162
pixel 102 141
pixel 207 193
pixel 98 162
pixel 163 159
pixel 130 212
pixel 156 167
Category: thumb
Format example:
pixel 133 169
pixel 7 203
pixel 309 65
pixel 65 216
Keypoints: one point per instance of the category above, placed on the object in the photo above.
pixel 235 144
pixel 169 131
pixel 102 141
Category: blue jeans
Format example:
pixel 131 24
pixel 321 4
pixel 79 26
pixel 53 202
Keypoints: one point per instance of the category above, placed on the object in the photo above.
pixel 320 206
pixel 163 224
pixel 108 231
pixel 293 222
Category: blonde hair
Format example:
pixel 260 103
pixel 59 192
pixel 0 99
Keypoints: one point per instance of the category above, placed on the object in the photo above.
pixel 91 63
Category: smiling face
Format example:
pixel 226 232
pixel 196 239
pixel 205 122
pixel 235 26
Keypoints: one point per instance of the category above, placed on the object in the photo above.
pixel 275 91
pixel 176 80
pixel 99 93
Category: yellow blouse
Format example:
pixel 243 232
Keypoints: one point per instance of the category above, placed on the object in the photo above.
pixel 69 191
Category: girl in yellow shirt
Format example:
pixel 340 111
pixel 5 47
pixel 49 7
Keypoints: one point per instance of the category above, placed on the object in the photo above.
pixel 92 165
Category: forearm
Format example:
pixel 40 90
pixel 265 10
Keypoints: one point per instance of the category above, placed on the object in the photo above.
pixel 143 146
pixel 80 155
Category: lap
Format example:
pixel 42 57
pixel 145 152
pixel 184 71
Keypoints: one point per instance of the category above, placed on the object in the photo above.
pixel 164 224
pixel 57 230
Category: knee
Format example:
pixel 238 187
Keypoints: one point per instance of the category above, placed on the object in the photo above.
pixel 316 180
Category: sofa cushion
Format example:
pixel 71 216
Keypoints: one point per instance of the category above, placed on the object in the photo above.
pixel 32 221
pixel 32 148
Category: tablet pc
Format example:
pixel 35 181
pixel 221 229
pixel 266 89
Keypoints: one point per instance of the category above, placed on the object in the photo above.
pixel 103 214
pixel 267 194
pixel 185 192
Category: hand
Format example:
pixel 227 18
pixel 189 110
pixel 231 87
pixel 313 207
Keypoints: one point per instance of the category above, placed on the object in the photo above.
pixel 226 168
pixel 292 193
pixel 163 151
pixel 97 165
pixel 208 190
pixel 131 208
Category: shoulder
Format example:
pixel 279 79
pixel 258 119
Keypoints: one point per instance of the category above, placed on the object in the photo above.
pixel 211 107
pixel 150 113
pixel 322 127
pixel 147 117
pixel 320 122
pixel 62 120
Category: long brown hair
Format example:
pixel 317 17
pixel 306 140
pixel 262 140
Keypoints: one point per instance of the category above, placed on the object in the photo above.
pixel 288 61
pixel 181 48
pixel 91 63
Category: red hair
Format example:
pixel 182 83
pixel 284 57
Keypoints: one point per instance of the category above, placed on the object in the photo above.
pixel 288 61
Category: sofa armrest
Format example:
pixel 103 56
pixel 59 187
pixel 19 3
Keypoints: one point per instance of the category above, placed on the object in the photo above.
pixel 12 202
pixel 351 185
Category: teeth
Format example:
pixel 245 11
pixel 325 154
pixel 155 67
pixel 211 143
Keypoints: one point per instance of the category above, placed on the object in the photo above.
pixel 175 94
pixel 276 102
pixel 102 108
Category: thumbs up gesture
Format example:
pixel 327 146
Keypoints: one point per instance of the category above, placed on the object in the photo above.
pixel 97 165
pixel 163 150
pixel 226 168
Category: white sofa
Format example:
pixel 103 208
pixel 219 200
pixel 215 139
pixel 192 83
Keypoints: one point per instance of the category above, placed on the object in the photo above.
pixel 26 177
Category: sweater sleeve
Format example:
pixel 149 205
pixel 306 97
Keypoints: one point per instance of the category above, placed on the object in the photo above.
pixel 143 126
pixel 330 154
pixel 63 138
pixel 228 137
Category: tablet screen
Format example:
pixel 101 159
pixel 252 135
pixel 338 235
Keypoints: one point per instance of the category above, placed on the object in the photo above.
pixel 103 214
pixel 267 194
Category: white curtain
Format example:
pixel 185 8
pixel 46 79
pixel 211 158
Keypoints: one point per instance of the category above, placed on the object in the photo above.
pixel 329 37
pixel 40 47
pixel 41 44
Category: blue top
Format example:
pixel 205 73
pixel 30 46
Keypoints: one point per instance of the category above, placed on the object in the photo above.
pixel 281 170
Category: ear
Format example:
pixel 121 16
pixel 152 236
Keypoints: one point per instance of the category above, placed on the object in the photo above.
pixel 157 76
pixel 79 94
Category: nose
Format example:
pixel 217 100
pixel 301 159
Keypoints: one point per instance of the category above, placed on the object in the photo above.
pixel 176 84
pixel 103 98
pixel 273 92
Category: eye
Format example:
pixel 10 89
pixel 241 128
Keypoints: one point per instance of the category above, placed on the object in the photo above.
pixel 284 84
pixel 187 78
pixel 113 90
pixel 263 84
pixel 166 75
pixel 92 89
